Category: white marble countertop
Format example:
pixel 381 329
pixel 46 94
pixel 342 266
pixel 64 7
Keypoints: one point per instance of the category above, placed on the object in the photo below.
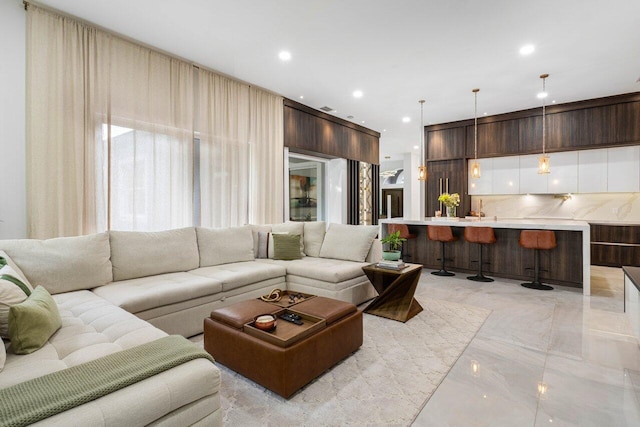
pixel 518 223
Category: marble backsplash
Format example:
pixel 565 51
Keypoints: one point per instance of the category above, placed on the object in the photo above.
pixel 614 207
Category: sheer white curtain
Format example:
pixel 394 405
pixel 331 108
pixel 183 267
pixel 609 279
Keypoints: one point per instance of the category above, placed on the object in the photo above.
pixel 151 139
pixel 223 119
pixel 64 71
pixel 266 204
pixel 109 132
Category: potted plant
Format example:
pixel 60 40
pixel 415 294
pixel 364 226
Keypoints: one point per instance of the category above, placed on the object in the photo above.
pixel 395 243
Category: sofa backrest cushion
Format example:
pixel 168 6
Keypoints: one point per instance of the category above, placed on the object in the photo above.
pixel 348 242
pixel 225 245
pixel 63 264
pixel 139 254
pixel 313 237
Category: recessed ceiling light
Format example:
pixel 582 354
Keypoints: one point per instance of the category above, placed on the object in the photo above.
pixel 334 111
pixel 301 96
pixel 485 113
pixel 553 102
pixel 284 55
pixel 542 95
pixel 363 121
pixel 384 130
pixel 416 147
pixel 350 117
pixel 406 119
pixel 527 49
pixel 357 94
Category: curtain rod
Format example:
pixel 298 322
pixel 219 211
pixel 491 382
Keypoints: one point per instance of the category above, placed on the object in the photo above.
pixel 26 4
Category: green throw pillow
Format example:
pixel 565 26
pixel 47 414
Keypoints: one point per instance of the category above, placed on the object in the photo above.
pixel 32 322
pixel 286 246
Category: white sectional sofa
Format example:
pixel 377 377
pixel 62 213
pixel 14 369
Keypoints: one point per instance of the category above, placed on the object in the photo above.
pixel 118 290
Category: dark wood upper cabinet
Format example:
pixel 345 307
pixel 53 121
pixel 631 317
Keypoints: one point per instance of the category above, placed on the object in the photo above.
pixel 594 123
pixel 312 131
pixel 445 144
pixel 494 139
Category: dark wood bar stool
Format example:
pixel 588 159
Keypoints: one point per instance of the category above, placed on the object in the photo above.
pixel 404 233
pixel 482 236
pixel 537 240
pixel 442 234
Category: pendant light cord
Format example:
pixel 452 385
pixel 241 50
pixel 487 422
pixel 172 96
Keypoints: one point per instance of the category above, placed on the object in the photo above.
pixel 475 124
pixel 544 121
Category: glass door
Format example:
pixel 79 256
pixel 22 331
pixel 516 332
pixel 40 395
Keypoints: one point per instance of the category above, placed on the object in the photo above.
pixel 306 188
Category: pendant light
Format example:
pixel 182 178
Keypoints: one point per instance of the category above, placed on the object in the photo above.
pixel 543 161
pixel 422 169
pixel 475 166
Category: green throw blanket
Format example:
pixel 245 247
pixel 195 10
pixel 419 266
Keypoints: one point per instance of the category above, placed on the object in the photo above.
pixel 43 397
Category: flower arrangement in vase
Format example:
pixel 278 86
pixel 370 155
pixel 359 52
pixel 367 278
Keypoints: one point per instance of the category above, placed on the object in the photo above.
pixel 451 201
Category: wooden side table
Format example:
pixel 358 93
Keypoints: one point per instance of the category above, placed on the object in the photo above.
pixel 395 291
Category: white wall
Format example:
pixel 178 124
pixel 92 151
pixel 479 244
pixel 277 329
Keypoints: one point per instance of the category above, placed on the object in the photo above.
pixel 337 202
pixel 13 210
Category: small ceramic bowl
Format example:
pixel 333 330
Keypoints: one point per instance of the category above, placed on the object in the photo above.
pixel 265 322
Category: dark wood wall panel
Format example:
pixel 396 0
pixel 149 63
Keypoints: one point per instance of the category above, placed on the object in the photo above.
pixel 309 130
pixel 353 193
pixel 375 193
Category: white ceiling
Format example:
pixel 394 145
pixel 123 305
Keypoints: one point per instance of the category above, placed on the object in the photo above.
pixel 396 52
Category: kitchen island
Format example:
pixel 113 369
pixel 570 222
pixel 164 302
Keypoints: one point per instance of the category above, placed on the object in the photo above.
pixel 569 264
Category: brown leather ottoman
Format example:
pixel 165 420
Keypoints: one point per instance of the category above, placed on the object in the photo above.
pixel 283 370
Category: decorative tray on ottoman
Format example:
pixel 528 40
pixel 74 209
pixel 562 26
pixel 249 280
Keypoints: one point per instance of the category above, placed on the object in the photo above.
pixel 286 333
pixel 285 300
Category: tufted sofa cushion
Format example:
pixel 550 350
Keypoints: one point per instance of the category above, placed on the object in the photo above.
pixel 91 328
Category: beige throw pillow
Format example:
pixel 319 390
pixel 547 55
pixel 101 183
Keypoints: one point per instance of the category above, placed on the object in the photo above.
pixel 3 354
pixel 348 242
pixel 14 289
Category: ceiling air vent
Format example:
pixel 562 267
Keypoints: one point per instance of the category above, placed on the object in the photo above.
pixel 327 109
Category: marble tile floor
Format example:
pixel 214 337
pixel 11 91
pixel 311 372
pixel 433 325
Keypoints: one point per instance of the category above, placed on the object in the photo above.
pixel 541 358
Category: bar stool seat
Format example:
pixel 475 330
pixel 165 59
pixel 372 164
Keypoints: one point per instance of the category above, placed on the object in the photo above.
pixel 537 240
pixel 481 236
pixel 442 234
pixel 404 233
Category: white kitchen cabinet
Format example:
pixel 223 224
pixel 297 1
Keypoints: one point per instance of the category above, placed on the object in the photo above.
pixel 592 171
pixel 531 182
pixel 563 176
pixel 506 175
pixel 623 172
pixel 482 185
